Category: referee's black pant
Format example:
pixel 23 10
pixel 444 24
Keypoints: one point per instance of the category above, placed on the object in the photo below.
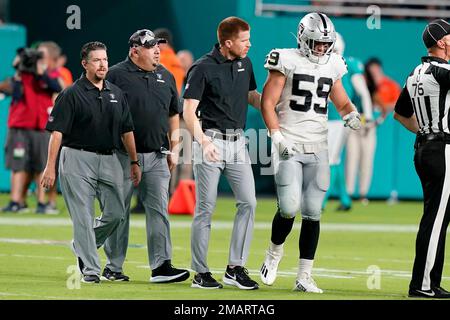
pixel 432 162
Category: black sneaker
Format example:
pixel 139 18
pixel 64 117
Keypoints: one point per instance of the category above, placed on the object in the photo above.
pixel 205 281
pixel 434 293
pixel 238 276
pixel 114 276
pixel 90 279
pixel 16 207
pixel 138 208
pixel 41 207
pixel 166 273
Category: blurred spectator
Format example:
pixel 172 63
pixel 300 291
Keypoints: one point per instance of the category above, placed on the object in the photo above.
pixel 32 89
pixel 383 90
pixel 183 170
pixel 356 88
pixel 186 59
pixel 65 73
pixel 56 62
pixel 169 58
pixel 361 147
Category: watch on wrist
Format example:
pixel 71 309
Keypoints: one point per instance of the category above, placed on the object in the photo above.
pixel 136 162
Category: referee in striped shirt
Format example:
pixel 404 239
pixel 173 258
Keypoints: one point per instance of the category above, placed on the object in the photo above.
pixel 423 108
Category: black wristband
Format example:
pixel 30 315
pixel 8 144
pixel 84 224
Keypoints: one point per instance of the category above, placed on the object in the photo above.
pixel 136 162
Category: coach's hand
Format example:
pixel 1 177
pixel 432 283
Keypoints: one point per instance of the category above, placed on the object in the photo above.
pixel 286 148
pixel 136 174
pixel 172 160
pixel 210 151
pixel 48 177
pixel 352 120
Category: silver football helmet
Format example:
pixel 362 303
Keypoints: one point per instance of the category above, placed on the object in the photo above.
pixel 312 29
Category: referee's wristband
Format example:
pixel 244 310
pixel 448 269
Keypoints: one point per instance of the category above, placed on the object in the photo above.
pixel 136 162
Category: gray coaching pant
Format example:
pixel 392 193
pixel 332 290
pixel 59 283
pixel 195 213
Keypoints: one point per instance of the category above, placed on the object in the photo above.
pixel 154 192
pixel 302 182
pixel 83 177
pixel 236 167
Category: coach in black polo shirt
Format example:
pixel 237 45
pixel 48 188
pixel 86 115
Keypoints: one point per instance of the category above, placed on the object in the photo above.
pixel 152 95
pixel 219 88
pixel 92 119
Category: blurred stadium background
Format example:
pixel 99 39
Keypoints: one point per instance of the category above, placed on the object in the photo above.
pixel 34 252
pixel 397 43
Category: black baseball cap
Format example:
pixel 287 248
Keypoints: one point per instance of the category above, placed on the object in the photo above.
pixel 145 38
pixel 435 31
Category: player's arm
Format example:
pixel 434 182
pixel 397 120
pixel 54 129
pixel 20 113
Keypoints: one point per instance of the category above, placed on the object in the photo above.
pixel 254 99
pixel 49 175
pixel 340 99
pixel 272 91
pixel 270 96
pixel 344 106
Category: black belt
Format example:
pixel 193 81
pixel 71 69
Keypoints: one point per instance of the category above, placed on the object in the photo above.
pixel 437 137
pixel 224 136
pixel 146 150
pixel 108 152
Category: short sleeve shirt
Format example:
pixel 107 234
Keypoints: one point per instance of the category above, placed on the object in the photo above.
pixel 152 97
pixel 221 85
pixel 90 118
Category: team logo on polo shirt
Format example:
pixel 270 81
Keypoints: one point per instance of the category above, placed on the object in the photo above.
pixel 239 64
pixel 159 78
pixel 113 97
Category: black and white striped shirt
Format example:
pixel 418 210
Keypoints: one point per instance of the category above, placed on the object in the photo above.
pixel 427 95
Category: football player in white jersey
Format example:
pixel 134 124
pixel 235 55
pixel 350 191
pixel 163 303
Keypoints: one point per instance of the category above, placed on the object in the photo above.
pixel 294 108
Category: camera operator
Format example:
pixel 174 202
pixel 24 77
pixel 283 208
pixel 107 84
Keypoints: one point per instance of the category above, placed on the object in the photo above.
pixel 33 87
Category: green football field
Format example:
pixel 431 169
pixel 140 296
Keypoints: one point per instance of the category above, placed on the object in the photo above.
pixel 363 254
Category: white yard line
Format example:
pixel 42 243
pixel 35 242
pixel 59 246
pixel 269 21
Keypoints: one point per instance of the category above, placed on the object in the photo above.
pixel 10 294
pixel 227 225
pixel 36 296
pixel 33 241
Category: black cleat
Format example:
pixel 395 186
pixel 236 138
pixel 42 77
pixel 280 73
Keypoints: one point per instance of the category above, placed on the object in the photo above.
pixel 238 276
pixel 166 273
pixel 434 293
pixel 114 276
pixel 90 279
pixel 205 281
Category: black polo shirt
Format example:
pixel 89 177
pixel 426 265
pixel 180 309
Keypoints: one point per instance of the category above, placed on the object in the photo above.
pixel 222 87
pixel 152 97
pixel 90 118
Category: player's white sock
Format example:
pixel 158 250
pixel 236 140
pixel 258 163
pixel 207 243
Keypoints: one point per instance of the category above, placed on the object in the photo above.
pixel 276 248
pixel 304 266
